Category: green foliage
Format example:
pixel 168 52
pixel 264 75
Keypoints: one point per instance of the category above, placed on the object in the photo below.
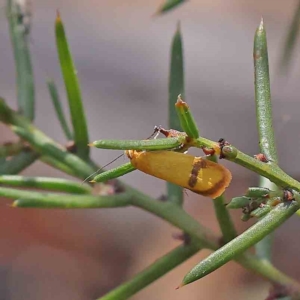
pixel 24 75
pixel 272 203
pixel 69 72
pixel 169 5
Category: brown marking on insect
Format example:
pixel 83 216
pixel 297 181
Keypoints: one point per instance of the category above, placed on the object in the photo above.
pixel 197 166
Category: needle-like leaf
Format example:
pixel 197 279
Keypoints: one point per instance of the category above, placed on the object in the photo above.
pixel 69 73
pixel 24 74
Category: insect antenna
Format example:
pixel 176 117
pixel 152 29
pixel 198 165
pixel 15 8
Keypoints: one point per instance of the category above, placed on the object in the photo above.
pixel 100 169
pixel 156 132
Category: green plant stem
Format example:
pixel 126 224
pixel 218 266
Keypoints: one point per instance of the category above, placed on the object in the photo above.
pixel 244 241
pixel 47 183
pixel 159 268
pixel 174 193
pixel 43 144
pixel 224 219
pixel 24 159
pixel 40 142
pixel 175 215
pixel 225 223
pixel 24 72
pixel 262 266
pixel 55 200
pixel 272 172
pixel 263 249
pixel 166 210
pixel 59 165
pixel 179 218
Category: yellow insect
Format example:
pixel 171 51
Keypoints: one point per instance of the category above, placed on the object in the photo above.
pixel 197 174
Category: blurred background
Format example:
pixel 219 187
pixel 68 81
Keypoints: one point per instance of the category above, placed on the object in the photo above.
pixel 122 56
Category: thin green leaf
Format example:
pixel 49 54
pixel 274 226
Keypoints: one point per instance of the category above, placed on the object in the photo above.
pixel 176 216
pixel 58 109
pixel 52 200
pixel 155 144
pixel 47 183
pixel 42 143
pixel 187 121
pixel 261 249
pixel 258 192
pixel 59 165
pixel 241 243
pixel 73 91
pixel 263 95
pixel 114 173
pixel 19 162
pixel 238 202
pixel 264 117
pixel 24 73
pixel 176 78
pixel 176 87
pixel 169 5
